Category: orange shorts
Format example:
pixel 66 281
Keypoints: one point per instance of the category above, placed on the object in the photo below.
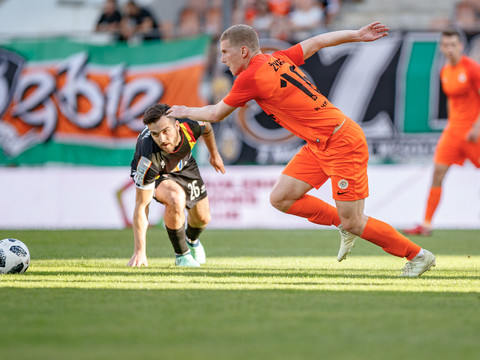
pixel 344 160
pixel 455 149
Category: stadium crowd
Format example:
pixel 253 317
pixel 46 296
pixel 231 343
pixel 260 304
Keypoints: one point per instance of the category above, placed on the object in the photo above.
pixel 291 20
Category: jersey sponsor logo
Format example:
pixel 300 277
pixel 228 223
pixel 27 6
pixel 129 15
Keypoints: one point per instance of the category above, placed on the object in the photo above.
pixel 142 168
pixel 181 164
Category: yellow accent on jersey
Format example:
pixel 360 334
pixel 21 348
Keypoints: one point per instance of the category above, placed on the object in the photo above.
pixel 188 134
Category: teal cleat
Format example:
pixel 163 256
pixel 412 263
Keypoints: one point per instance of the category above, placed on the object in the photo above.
pixel 198 252
pixel 186 260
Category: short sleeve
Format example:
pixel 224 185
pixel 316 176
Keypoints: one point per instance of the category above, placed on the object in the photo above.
pixel 473 69
pixel 196 128
pixel 142 170
pixel 243 90
pixel 294 54
pixel 143 175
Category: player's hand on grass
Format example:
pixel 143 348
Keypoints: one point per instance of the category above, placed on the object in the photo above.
pixel 373 31
pixel 138 259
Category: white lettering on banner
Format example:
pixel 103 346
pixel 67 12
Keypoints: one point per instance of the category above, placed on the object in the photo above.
pixel 77 85
pixel 114 94
pixel 36 109
pixel 276 154
pixel 4 88
pixel 358 78
pixel 35 94
pixel 232 196
pixel 133 105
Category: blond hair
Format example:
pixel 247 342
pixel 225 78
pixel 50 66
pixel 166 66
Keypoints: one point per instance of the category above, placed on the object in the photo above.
pixel 242 35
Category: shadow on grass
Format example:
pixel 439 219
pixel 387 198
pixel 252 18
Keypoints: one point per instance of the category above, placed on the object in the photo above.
pixel 194 273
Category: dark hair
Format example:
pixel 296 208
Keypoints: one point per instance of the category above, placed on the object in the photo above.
pixel 154 113
pixel 452 32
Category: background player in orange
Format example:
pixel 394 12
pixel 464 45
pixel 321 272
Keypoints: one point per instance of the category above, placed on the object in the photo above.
pixel 460 140
pixel 336 146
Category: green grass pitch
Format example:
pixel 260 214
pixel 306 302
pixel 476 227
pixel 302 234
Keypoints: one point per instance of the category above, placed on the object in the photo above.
pixel 262 295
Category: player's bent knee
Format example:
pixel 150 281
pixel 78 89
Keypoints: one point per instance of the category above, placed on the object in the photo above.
pixel 276 203
pixel 352 225
pixel 175 200
pixel 204 219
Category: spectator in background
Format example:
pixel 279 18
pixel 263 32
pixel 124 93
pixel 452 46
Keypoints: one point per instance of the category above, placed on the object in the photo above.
pixel 189 22
pixel 138 23
pixel 110 19
pixel 331 9
pixel 258 16
pixel 214 21
pixel 280 7
pixel 306 19
pixel 467 15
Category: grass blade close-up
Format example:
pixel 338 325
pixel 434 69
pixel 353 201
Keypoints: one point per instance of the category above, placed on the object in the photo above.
pixel 262 295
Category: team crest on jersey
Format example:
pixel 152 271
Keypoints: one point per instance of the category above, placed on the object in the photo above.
pixel 343 184
pixel 462 77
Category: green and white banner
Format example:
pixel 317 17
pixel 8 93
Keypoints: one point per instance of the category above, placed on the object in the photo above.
pixel 67 102
pixel 63 101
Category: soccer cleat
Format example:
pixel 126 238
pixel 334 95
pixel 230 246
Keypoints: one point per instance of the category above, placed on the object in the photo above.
pixel 186 260
pixel 419 264
pixel 418 230
pixel 347 241
pixel 198 252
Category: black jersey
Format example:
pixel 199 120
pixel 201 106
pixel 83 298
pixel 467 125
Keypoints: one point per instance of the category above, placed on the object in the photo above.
pixel 149 161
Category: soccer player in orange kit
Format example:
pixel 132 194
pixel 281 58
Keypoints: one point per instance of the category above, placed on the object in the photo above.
pixel 460 139
pixel 336 146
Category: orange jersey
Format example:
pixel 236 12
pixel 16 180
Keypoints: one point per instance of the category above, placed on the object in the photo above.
pixel 461 85
pixel 283 91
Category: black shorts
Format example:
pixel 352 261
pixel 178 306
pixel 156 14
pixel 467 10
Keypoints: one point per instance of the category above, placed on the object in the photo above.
pixel 190 180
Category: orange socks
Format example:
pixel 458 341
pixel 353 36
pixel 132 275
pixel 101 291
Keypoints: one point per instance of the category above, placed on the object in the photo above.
pixel 432 203
pixel 377 232
pixel 389 239
pixel 315 210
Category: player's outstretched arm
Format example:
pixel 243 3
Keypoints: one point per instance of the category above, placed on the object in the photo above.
pixel 209 113
pixel 140 225
pixel 215 158
pixel 371 32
